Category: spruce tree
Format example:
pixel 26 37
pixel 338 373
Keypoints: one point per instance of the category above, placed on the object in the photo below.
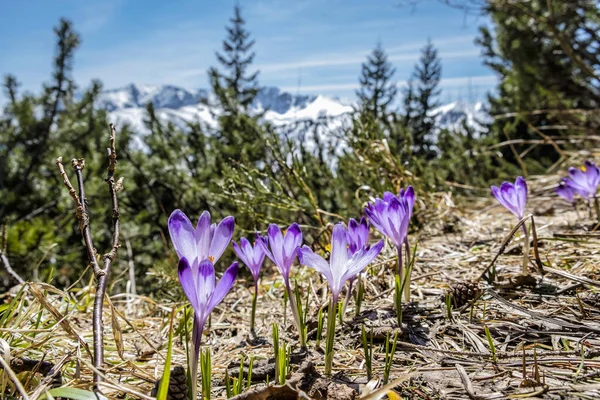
pixel 421 100
pixel 235 86
pixel 31 135
pixel 546 57
pixel 377 91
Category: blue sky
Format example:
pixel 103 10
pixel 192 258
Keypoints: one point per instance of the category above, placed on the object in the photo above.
pixel 304 46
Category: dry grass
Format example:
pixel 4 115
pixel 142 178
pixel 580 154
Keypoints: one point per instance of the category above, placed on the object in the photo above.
pixel 545 335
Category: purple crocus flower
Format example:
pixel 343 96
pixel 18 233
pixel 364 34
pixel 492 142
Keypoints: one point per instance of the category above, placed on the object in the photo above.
pixel 512 197
pixel 198 248
pixel 391 215
pixel 204 293
pixel 585 179
pixel 205 242
pixel 566 191
pixel 340 266
pixel 252 256
pixel 358 235
pixel 283 248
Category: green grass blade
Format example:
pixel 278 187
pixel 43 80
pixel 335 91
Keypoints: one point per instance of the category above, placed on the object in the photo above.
pixel 163 389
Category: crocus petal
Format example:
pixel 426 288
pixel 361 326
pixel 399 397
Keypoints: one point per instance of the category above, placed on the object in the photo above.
pixel 352 224
pixel 307 257
pixel 396 217
pixel 239 252
pixel 188 283
pixel 264 245
pixel 521 192
pixel 276 244
pixel 387 197
pixel 505 196
pixel 565 191
pixel 579 181
pixel 223 287
pixel 360 261
pixel 182 235
pixel 509 195
pixel 205 284
pixel 222 237
pixel 339 251
pixel 203 236
pixel 409 195
pixel 291 242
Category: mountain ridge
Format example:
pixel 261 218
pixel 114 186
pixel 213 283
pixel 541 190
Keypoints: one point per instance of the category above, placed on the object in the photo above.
pixel 127 105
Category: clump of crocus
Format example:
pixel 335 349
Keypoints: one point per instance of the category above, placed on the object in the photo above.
pixel 282 250
pixel 198 248
pixel 514 198
pixel 391 216
pixel 358 238
pixel 583 181
pixel 340 268
pixel 253 257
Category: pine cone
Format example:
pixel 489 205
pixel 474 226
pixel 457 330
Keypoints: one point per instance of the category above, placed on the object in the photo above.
pixel 464 292
pixel 178 389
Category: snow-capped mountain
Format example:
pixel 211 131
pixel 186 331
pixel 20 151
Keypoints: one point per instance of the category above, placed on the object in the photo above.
pixel 453 115
pixel 127 105
pixel 181 106
pixel 138 96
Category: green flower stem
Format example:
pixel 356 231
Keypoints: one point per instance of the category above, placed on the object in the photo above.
pixel 406 279
pixel 253 313
pixel 398 299
pixel 330 336
pixel 346 300
pixel 398 288
pixel 597 208
pixel 296 314
pixel 359 296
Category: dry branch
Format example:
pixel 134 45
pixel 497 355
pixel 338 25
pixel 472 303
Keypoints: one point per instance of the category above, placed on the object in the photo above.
pixel 101 273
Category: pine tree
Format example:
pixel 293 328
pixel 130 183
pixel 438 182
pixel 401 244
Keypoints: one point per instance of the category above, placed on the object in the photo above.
pixel 235 87
pixel 32 134
pixel 421 100
pixel 377 91
pixel 546 56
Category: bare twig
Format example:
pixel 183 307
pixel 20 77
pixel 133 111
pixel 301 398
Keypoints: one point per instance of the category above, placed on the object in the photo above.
pixel 4 258
pixel 484 274
pixel 8 268
pixel 131 264
pixel 101 273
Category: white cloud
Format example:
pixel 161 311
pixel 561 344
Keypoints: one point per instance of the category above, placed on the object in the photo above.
pixel 445 83
pixel 358 57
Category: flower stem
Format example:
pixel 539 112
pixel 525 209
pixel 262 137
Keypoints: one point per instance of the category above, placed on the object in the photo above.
pixel 253 312
pixel 296 314
pixel 406 279
pixel 359 296
pixel 194 356
pixel 400 264
pixel 526 251
pixel 398 288
pixel 347 299
pixel 597 207
pixel 330 336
